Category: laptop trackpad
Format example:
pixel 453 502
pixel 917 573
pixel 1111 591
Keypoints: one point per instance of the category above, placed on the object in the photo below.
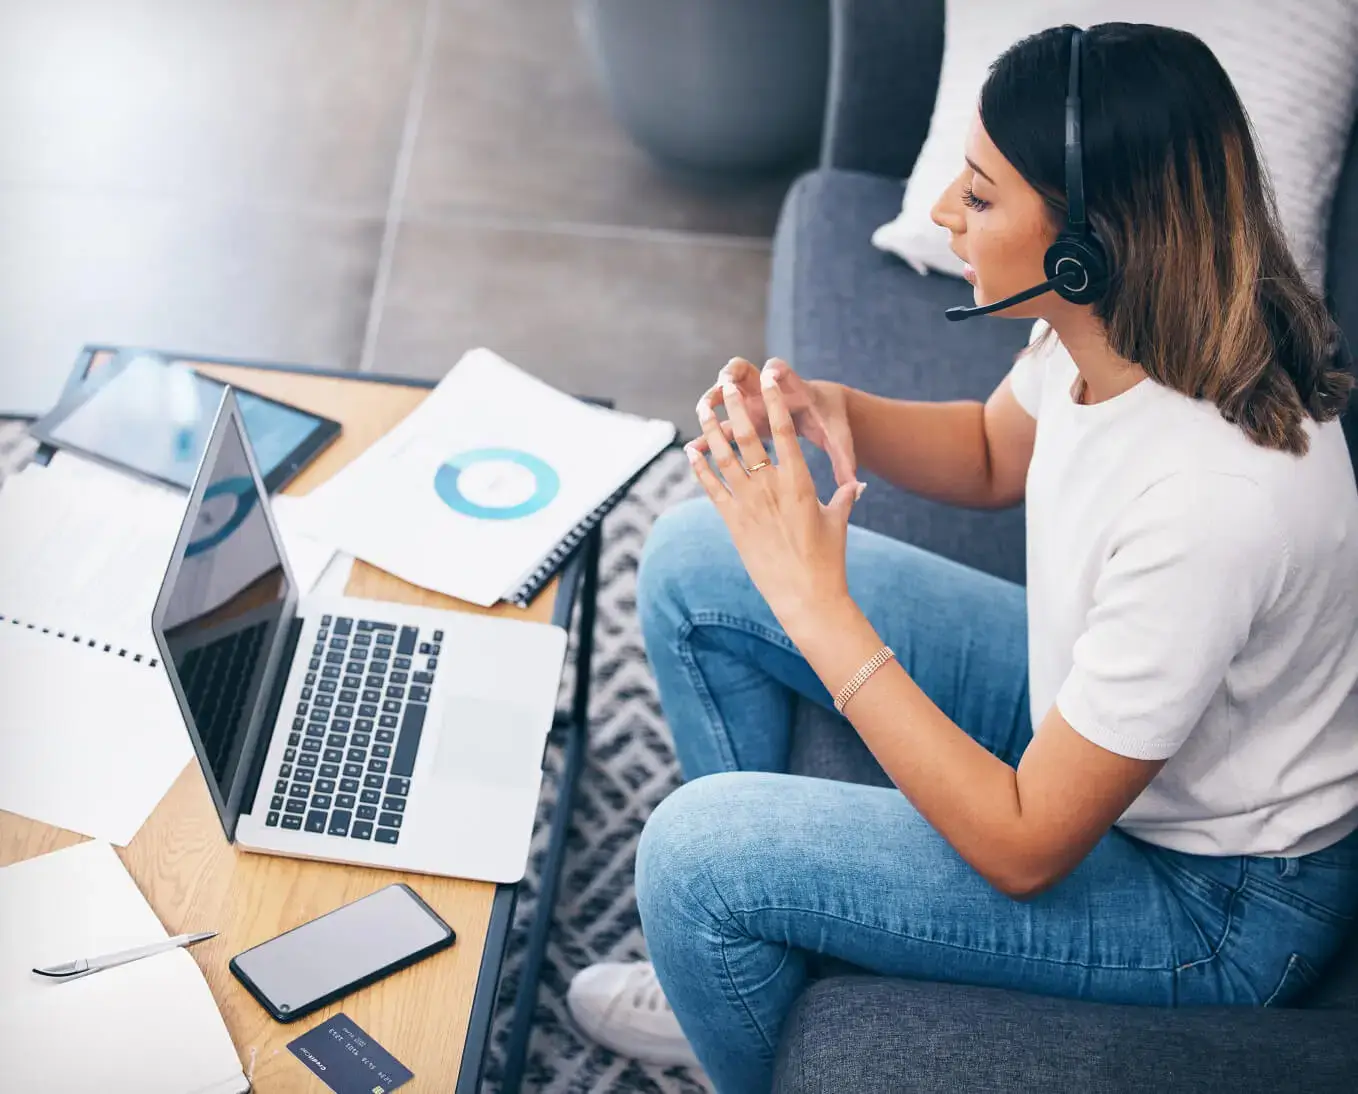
pixel 488 742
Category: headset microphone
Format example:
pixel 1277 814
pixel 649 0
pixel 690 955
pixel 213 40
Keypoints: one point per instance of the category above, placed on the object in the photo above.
pixel 960 312
pixel 1076 264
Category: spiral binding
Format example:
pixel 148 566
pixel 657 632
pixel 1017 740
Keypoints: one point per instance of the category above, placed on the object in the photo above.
pixel 562 551
pixel 82 640
pixel 572 539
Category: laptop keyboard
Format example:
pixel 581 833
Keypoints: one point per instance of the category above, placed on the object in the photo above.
pixel 216 679
pixel 356 731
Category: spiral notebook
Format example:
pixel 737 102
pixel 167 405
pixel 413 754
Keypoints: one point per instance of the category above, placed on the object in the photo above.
pixel 557 557
pixel 83 560
pixel 92 732
pixel 147 1027
pixel 487 487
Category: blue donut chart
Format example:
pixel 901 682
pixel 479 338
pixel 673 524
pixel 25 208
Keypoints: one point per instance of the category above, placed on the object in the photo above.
pixel 242 488
pixel 545 478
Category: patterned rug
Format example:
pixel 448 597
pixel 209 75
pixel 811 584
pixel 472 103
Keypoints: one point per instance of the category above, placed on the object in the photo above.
pixel 629 768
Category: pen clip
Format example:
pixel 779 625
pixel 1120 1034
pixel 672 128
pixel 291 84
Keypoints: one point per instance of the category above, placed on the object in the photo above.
pixel 66 970
pixel 69 970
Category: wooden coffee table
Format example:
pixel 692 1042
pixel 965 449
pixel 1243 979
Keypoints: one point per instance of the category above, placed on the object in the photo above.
pixel 434 1016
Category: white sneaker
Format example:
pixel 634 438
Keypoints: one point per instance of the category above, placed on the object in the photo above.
pixel 623 1007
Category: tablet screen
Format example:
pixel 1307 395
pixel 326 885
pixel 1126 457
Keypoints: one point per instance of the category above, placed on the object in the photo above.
pixel 155 419
pixel 275 430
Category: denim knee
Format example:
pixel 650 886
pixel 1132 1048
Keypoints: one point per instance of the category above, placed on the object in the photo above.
pixel 679 552
pixel 680 854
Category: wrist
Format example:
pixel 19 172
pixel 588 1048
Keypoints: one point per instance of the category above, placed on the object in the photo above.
pixel 812 620
pixel 837 641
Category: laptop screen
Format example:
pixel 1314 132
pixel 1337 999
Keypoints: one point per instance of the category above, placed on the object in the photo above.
pixel 226 595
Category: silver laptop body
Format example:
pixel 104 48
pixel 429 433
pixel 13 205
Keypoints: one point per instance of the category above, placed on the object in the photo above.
pixel 345 729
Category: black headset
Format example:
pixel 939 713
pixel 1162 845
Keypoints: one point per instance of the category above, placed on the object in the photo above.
pixel 1076 264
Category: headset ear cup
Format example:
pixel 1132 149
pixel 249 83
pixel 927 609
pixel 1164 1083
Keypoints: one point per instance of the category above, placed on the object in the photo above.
pixel 1085 253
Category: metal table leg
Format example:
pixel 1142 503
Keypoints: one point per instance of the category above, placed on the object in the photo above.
pixel 577 740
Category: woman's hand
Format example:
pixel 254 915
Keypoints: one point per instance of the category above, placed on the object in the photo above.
pixel 818 410
pixel 792 546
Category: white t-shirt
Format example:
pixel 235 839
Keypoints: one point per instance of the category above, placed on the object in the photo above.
pixel 1194 596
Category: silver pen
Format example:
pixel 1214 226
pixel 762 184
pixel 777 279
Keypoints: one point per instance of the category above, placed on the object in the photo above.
pixel 73 970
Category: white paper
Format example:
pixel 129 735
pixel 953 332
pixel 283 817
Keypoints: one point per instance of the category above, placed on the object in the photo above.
pixel 92 741
pixel 77 902
pixel 385 507
pixel 86 550
pixel 150 1026
pixel 335 577
pixel 307 556
pixel 31 382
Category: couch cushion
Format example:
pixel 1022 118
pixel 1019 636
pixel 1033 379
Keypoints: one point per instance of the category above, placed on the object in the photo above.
pixel 841 310
pixel 825 745
pixel 1338 987
pixel 879 1034
pixel 1293 66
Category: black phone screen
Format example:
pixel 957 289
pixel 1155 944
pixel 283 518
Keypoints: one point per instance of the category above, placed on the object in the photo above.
pixel 316 963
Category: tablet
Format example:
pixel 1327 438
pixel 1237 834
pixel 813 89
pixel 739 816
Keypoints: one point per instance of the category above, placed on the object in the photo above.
pixel 152 416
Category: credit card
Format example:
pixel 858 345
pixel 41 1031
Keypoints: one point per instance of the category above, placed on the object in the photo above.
pixel 348 1060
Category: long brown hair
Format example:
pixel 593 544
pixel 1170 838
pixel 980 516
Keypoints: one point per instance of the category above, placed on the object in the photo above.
pixel 1204 294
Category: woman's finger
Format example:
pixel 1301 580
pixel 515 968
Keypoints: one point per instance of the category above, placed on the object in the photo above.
pixel 740 371
pixel 791 462
pixel 747 438
pixel 737 369
pixel 700 441
pixel 720 448
pixel 712 485
pixel 842 458
pixel 708 398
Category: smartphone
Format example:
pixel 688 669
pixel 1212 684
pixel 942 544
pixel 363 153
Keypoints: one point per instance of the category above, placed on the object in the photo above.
pixel 310 966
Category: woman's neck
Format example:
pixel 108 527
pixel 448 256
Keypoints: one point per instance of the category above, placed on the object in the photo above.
pixel 1103 373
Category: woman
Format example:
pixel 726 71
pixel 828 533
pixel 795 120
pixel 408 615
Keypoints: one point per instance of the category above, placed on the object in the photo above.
pixel 1135 781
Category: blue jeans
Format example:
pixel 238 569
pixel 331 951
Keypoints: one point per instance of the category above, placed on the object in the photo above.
pixel 744 873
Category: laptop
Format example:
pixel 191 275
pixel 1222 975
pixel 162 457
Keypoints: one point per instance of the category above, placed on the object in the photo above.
pixel 343 729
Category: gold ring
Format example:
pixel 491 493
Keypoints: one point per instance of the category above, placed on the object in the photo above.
pixel 762 463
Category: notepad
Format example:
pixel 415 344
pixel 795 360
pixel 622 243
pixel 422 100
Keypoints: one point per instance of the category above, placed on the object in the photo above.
pixel 487 485
pixel 308 558
pixel 85 558
pixel 93 735
pixel 149 1027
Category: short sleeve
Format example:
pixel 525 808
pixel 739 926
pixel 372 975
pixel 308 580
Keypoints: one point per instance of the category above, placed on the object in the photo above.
pixel 1025 378
pixel 1191 564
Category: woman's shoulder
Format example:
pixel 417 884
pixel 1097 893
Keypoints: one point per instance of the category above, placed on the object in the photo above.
pixel 1221 481
pixel 1197 435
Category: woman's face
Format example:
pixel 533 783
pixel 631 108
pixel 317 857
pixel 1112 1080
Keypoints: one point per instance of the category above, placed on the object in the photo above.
pixel 1000 226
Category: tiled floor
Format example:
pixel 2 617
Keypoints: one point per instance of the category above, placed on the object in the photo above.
pixel 365 184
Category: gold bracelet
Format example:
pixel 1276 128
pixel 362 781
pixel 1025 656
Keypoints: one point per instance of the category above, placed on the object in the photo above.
pixel 873 663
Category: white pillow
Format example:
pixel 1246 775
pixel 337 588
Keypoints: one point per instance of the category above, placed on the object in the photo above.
pixel 1294 65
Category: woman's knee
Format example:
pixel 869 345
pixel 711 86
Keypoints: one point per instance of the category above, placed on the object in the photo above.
pixel 717 843
pixel 683 546
pixel 684 851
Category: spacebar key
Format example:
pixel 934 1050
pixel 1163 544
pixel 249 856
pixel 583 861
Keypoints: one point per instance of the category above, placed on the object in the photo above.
pixel 408 743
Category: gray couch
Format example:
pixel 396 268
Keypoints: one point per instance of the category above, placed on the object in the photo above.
pixel 840 310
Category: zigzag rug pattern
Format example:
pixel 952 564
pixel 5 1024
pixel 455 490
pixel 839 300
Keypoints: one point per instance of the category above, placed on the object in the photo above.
pixel 629 769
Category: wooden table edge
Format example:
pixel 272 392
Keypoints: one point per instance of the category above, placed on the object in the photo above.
pixel 481 1011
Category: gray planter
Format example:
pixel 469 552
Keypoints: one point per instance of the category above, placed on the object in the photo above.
pixel 714 86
